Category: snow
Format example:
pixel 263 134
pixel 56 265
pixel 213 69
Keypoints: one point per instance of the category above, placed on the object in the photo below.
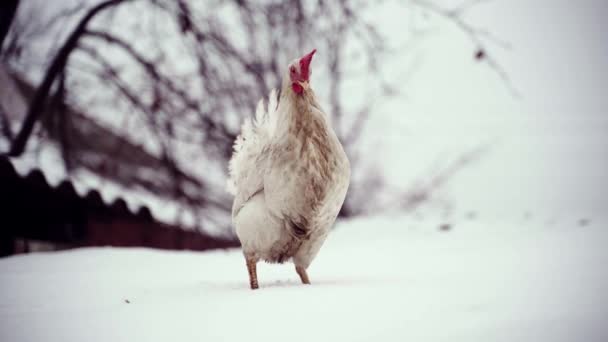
pixel 384 278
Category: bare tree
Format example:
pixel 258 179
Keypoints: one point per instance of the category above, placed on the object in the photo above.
pixel 189 72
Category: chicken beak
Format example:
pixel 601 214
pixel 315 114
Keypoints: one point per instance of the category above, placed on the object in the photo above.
pixel 304 84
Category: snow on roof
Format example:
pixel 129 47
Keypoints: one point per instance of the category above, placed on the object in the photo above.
pixel 48 160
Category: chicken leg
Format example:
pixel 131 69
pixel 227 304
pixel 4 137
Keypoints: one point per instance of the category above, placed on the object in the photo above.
pixel 303 275
pixel 253 275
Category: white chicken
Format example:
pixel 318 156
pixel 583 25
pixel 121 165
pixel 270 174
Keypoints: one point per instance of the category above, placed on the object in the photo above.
pixel 289 175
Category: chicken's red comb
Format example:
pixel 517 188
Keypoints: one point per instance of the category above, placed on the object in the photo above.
pixel 305 64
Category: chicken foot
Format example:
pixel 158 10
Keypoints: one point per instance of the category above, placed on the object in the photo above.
pixel 253 275
pixel 303 275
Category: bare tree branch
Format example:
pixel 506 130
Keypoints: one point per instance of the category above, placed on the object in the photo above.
pixel 7 13
pixel 56 67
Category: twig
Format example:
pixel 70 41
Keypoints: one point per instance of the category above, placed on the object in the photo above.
pixel 475 35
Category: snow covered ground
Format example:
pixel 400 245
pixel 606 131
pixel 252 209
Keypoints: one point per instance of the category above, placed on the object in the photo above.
pixel 381 279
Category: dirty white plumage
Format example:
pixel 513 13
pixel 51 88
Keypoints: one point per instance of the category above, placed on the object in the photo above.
pixel 289 175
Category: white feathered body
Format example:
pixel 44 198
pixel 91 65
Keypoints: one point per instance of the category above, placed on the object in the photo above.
pixel 289 175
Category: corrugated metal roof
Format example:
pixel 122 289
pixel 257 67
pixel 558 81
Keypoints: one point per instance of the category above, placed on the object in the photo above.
pixel 92 197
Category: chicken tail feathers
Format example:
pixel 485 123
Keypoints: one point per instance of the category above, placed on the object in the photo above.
pixel 255 134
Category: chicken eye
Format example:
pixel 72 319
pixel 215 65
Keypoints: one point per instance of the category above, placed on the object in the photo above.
pixel 292 70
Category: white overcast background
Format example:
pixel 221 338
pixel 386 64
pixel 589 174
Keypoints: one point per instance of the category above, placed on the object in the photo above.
pixel 548 143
